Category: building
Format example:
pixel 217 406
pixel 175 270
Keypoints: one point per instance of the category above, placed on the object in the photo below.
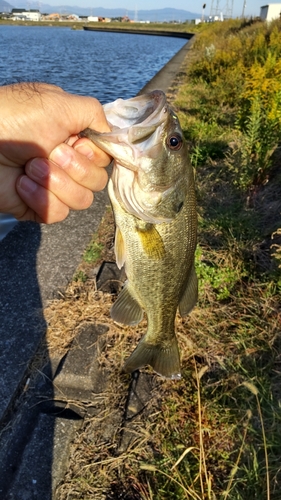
pixel 55 16
pixel 25 15
pixel 96 19
pixel 270 12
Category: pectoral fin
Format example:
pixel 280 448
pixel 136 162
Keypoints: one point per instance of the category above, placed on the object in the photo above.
pixel 119 248
pixel 151 240
pixel 126 309
pixel 190 295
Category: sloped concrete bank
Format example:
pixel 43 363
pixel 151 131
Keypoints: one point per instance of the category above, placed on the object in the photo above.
pixel 36 425
pixel 135 31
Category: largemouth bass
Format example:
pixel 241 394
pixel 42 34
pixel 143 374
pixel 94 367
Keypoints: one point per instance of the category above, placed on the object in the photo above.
pixel 153 198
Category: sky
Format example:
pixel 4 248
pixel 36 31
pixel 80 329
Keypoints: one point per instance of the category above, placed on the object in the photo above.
pixel 252 7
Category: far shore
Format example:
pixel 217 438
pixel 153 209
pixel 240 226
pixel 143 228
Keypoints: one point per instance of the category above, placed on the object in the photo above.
pixel 115 26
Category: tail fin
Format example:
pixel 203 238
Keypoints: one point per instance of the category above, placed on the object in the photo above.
pixel 164 359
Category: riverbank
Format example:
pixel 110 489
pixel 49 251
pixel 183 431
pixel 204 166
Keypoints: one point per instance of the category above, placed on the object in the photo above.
pixel 215 433
pixel 137 31
pixel 38 262
pixel 121 27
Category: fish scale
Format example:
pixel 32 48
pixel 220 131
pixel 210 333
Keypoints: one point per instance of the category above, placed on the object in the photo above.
pixel 155 234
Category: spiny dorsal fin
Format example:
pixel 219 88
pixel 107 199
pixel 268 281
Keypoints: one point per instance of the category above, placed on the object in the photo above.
pixel 190 295
pixel 126 309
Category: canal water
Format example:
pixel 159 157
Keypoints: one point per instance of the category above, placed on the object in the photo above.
pixel 104 65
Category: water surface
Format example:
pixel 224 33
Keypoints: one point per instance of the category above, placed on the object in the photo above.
pixel 104 65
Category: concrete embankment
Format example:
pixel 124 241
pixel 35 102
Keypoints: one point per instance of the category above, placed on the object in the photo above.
pixel 37 262
pixel 136 31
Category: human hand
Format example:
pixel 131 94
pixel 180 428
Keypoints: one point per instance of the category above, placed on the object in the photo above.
pixel 45 169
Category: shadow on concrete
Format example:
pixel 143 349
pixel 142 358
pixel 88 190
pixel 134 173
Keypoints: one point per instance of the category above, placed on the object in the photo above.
pixel 22 328
pixel 36 261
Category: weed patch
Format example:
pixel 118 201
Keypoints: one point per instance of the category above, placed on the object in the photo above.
pixel 215 434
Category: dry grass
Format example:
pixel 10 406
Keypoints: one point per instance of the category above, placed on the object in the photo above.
pixel 215 434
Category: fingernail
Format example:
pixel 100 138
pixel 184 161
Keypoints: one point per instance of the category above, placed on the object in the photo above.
pixel 85 150
pixel 61 155
pixel 27 185
pixel 38 168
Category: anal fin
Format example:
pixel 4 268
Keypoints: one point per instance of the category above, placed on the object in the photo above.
pixel 126 309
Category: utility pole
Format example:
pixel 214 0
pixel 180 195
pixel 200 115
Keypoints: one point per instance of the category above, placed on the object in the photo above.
pixel 243 11
pixel 203 11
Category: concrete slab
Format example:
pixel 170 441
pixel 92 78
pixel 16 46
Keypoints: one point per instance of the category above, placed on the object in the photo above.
pixel 36 261
pixel 44 459
pixel 109 278
pixel 79 374
pixel 34 447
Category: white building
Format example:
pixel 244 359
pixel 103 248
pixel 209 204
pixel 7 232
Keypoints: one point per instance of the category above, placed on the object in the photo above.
pixel 270 12
pixel 26 15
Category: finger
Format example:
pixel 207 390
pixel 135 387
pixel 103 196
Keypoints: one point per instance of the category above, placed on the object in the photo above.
pixel 88 112
pixel 64 153
pixel 10 201
pixel 56 180
pixel 43 205
pixel 71 140
pixel 87 148
pixel 84 164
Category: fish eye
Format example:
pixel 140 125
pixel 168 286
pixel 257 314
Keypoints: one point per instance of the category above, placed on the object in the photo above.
pixel 174 142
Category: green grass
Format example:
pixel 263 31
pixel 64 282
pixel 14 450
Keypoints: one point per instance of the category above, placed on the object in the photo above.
pixel 93 252
pixel 219 429
pixel 218 434
pixel 215 434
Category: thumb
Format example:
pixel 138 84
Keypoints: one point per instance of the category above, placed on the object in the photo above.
pixel 85 112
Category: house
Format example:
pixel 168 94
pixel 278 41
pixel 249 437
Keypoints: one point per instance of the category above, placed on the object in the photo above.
pixel 26 15
pixel 270 12
pixel 55 16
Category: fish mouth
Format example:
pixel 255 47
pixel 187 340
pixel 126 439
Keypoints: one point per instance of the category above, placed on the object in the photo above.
pixel 137 142
pixel 136 127
pixel 142 109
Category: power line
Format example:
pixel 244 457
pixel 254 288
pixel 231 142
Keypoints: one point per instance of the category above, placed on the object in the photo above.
pixel 217 8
